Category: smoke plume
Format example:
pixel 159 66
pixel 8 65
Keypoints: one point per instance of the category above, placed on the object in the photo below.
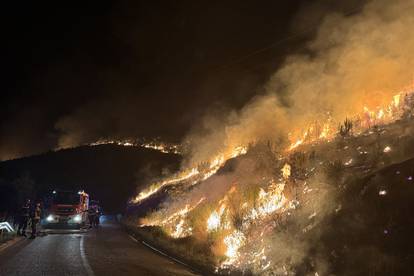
pixel 355 61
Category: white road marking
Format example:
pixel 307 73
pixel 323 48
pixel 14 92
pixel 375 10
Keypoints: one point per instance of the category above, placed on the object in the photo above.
pixel 162 253
pixel 168 256
pixel 85 262
pixel 132 238
pixel 156 250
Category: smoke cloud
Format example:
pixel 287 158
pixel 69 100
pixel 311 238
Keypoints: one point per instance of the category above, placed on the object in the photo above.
pixel 125 70
pixel 354 61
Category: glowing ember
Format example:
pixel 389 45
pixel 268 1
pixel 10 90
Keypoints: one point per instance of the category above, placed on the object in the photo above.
pixel 126 143
pixel 349 162
pixel 162 147
pixel 233 242
pixel 214 221
pixel 268 202
pixel 238 151
pixel 396 100
pixel 179 230
pixel 286 171
pixel 325 131
pixel 296 144
pixel 387 149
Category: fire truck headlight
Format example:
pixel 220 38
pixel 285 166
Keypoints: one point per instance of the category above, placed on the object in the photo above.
pixel 77 218
pixel 50 218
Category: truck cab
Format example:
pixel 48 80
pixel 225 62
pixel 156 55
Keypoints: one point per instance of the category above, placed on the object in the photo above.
pixel 67 208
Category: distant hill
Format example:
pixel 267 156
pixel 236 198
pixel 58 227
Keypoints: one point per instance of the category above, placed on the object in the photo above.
pixel 109 173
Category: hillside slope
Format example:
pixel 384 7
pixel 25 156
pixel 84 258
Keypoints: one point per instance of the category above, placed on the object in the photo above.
pixel 372 231
pixel 340 207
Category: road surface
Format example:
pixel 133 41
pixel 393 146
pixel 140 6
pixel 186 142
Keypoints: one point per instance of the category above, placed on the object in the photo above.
pixel 107 250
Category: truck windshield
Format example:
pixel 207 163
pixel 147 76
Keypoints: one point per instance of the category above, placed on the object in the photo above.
pixel 66 198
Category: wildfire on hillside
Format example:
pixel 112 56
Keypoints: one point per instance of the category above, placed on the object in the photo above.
pixel 233 222
pixel 194 174
pixel 280 178
pixel 367 118
pixel 159 146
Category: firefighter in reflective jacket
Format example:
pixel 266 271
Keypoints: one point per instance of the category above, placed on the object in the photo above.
pixel 35 218
pixel 24 218
pixel 91 216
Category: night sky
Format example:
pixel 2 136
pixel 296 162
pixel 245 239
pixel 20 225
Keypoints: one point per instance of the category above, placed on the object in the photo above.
pixel 73 74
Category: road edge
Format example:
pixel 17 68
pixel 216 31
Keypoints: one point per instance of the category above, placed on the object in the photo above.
pixel 84 258
pixel 10 243
pixel 136 238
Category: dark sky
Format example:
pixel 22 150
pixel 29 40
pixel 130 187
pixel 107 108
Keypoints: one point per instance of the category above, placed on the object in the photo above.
pixel 75 73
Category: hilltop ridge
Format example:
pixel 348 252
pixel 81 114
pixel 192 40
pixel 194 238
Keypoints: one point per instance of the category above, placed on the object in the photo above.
pixel 110 173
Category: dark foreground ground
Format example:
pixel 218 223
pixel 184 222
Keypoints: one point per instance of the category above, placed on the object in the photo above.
pixel 108 250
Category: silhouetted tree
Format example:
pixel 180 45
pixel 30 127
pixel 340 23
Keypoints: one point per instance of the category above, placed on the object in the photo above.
pixel 346 128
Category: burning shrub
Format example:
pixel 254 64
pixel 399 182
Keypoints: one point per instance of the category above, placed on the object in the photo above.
pixel 345 129
pixel 298 160
pixel 197 220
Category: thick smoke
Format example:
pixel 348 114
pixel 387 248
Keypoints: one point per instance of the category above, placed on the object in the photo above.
pixel 354 61
pixel 262 119
pixel 21 137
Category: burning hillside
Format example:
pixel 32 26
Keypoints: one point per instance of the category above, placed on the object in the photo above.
pixel 155 145
pixel 274 199
pixel 297 158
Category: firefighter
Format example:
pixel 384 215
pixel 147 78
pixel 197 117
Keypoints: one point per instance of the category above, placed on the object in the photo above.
pixel 35 218
pixel 24 218
pixel 97 216
pixel 91 216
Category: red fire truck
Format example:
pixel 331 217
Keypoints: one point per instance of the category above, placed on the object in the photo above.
pixel 67 208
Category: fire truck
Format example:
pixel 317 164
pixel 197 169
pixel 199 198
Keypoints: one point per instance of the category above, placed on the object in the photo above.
pixel 67 208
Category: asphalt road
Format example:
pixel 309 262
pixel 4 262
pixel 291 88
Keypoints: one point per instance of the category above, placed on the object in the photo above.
pixel 107 250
